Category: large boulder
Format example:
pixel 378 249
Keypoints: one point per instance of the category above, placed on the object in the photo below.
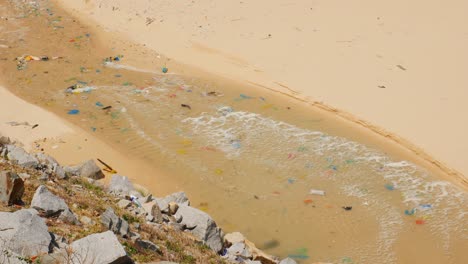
pixel 88 169
pixel 99 248
pixel 233 238
pixel 120 185
pixel 51 205
pixel 11 187
pixel 19 156
pixel 115 223
pixel 201 225
pixel 24 232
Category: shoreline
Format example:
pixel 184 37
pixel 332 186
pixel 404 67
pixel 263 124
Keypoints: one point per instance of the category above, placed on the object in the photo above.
pixel 422 151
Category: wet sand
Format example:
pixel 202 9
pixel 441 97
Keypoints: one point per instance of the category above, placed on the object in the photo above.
pixel 395 67
pixel 245 155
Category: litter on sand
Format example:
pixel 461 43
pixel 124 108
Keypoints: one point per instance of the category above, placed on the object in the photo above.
pixel 317 192
pixel 108 168
pixel 22 61
pixel 164 69
pixel 186 106
pixel 79 88
pixel 347 208
pixel 74 112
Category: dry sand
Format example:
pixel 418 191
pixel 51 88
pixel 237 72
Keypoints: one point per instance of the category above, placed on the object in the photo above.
pixel 397 65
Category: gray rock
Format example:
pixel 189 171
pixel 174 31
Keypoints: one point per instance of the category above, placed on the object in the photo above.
pixel 52 205
pixel 153 209
pixel 134 236
pixel 120 185
pixel 87 169
pixel 124 203
pixel 87 221
pixel 149 218
pixel 24 232
pixel 288 261
pixel 177 226
pixel 115 223
pixel 24 176
pixel 204 227
pixel 239 249
pixel 45 159
pixel 99 248
pixel 147 198
pixel 19 156
pixel 60 172
pixel 11 187
pixel 146 244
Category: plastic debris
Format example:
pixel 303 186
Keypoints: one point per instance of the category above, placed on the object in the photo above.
pixel 74 112
pixel 317 192
pixel 420 222
pixel 410 212
pixel 425 206
pixel 236 144
pixel 186 106
pixel 389 187
pixel 213 93
pixel 78 88
pixel 134 200
pixel 291 180
pixel 93 129
pixel 225 110
pixel 164 69
pixel 99 104
pixel 107 107
pixel 116 58
pixel 108 168
pixel 308 201
pixel 347 208
pixel 22 61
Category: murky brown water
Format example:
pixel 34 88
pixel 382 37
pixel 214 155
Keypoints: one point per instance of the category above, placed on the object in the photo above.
pixel 248 157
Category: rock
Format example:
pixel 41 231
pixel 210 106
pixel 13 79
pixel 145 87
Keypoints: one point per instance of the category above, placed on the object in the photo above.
pixel 153 209
pixel 60 172
pixel 21 157
pixel 58 242
pixel 288 261
pixel 86 220
pixel 147 198
pixel 149 218
pixel 68 216
pixel 24 233
pixel 173 206
pixel 87 169
pixel 178 197
pixel 259 255
pixel 52 205
pixel 99 248
pixel 4 141
pixel 177 226
pixel 134 236
pixel 114 223
pixel 239 249
pixel 120 185
pixel 124 203
pixel 232 238
pixel 146 244
pixel 11 188
pixel 204 227
pixel 24 176
pixel 46 159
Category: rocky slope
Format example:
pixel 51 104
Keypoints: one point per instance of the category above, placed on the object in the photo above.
pixel 51 213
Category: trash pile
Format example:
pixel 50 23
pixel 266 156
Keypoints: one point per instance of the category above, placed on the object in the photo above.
pixel 22 61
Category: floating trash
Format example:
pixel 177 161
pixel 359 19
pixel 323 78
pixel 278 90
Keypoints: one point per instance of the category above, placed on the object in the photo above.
pixel 410 212
pixel 420 222
pixel 74 112
pixel 300 253
pixel 389 187
pixel 164 70
pixel 99 104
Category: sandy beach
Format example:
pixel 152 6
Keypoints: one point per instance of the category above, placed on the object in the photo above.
pixel 397 67
pixel 319 125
